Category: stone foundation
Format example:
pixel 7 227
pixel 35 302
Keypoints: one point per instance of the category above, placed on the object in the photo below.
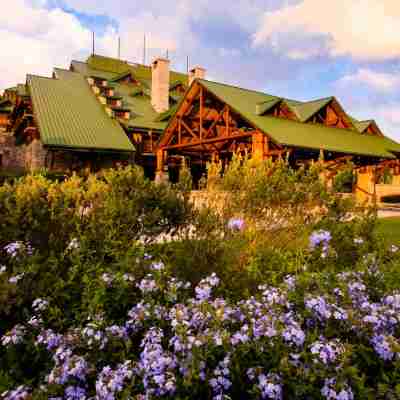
pixel 12 156
pixel 34 156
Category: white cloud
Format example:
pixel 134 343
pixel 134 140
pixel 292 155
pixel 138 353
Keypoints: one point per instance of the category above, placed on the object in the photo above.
pixel 363 29
pixel 380 81
pixel 392 115
pixel 36 39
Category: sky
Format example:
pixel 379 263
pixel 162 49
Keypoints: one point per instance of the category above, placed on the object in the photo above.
pixel 300 49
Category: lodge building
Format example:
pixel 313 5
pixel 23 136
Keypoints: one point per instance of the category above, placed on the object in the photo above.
pixel 106 111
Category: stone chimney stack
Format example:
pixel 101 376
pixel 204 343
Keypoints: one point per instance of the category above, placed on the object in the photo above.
pixel 160 84
pixel 196 73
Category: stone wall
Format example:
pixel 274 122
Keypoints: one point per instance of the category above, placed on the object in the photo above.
pixel 12 156
pixel 35 155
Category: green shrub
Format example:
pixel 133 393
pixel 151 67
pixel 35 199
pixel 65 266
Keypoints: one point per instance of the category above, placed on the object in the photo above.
pixel 298 266
pixel 345 180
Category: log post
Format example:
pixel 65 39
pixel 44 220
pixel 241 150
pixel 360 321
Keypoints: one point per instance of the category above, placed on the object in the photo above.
pixel 161 174
pixel 258 145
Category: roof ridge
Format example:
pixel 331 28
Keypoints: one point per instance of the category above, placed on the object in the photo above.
pixel 38 76
pixel 301 102
pixel 313 124
pixel 241 88
pixel 316 100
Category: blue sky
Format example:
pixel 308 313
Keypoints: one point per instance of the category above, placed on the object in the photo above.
pixel 303 49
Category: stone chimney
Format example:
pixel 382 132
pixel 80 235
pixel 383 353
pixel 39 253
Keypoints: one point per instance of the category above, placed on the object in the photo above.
pixel 160 84
pixel 196 73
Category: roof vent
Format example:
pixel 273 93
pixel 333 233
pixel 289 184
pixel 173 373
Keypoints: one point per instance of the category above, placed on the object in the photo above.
pixel 196 73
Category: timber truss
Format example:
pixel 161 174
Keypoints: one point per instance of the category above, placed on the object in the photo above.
pixel 206 128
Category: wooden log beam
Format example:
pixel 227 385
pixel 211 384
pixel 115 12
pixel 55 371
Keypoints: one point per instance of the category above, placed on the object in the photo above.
pixel 227 120
pixel 201 113
pixel 188 129
pixel 206 141
pixel 215 122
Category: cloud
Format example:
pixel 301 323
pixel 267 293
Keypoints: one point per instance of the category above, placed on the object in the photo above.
pixel 392 115
pixel 36 39
pixel 362 29
pixel 379 81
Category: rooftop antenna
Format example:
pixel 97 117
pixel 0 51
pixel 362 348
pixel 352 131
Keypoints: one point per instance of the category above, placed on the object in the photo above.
pixel 92 43
pixel 119 47
pixel 144 49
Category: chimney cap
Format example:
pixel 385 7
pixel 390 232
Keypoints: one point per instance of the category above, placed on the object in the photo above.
pixel 197 69
pixel 160 59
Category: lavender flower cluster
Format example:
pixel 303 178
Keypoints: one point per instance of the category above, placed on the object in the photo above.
pixel 172 343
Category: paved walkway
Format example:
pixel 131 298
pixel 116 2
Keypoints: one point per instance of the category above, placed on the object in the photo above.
pixel 389 212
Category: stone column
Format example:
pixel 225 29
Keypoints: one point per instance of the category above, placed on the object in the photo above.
pixel 162 169
pixel 258 146
pixel 38 155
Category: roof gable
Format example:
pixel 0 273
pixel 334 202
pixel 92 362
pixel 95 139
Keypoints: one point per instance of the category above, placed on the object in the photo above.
pixel 368 127
pixel 307 109
pixel 296 133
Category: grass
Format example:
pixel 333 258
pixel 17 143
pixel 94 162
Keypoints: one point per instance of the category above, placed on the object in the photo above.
pixel 390 229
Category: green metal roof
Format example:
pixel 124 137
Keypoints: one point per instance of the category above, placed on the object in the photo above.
pixel 299 134
pixel 263 107
pixel 118 67
pixel 307 109
pixel 137 99
pixel 362 125
pixel 69 115
pixel 143 114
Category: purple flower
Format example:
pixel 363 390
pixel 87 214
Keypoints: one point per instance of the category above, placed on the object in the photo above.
pixel 110 382
pixel 15 336
pixel 157 266
pixel 327 351
pixel 331 392
pixel 220 383
pixel 382 346
pixel 107 278
pixel 156 365
pixel 236 224
pixel 20 393
pixel 39 305
pixel 204 288
pixel 75 393
pixel 16 278
pixel 148 284
pixel 320 239
pixel 270 386
pixel 294 334
pixel 13 248
pixel 49 338
pixel 320 308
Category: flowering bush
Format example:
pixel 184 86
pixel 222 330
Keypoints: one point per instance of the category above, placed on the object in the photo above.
pixel 94 306
pixel 322 336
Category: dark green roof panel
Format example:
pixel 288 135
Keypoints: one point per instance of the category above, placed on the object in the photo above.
pixel 69 115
